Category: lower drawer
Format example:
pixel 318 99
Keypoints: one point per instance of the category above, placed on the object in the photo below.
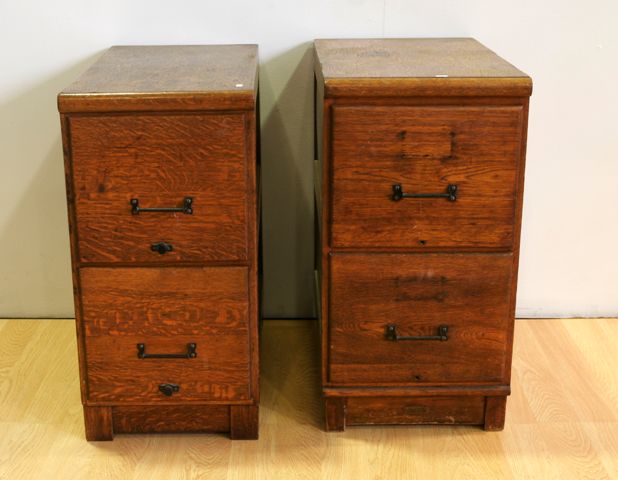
pixel 218 372
pixel 166 334
pixel 419 318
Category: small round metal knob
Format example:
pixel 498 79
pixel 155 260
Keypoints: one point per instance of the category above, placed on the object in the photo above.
pixel 168 389
pixel 161 247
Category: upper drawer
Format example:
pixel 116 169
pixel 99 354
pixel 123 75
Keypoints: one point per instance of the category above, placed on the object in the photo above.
pixel 159 161
pixel 378 152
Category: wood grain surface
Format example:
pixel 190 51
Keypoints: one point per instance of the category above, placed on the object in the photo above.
pixel 556 426
pixel 160 160
pixel 98 422
pixel 173 77
pixel 417 410
pixel 469 293
pixel 415 66
pixel 164 301
pixel 495 414
pixel 219 372
pixel 244 422
pixel 424 116
pixel 156 125
pixel 158 418
pixel 165 309
pixel 424 149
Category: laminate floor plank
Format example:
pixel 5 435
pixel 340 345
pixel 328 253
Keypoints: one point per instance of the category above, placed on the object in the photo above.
pixel 576 371
pixel 599 357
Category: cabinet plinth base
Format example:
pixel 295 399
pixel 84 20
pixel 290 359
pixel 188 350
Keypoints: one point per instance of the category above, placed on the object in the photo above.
pixel 98 422
pixel 487 412
pixel 495 411
pixel 241 421
pixel 334 410
pixel 244 421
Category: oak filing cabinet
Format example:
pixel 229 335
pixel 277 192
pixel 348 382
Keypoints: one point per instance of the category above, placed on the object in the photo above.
pixel 419 182
pixel 161 177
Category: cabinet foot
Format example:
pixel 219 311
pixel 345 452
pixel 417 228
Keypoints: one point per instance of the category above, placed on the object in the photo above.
pixel 334 410
pixel 495 411
pixel 99 424
pixel 244 422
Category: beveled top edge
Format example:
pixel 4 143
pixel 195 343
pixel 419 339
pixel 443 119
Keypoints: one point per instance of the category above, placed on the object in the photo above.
pixel 428 87
pixel 127 75
pixel 405 58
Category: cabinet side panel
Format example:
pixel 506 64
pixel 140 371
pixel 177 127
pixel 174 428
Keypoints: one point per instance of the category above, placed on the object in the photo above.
pixel 324 214
pixel 252 248
pixel 318 92
pixel 68 175
pixel 519 199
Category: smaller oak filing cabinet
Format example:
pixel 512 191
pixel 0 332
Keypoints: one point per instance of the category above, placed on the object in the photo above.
pixel 419 181
pixel 161 178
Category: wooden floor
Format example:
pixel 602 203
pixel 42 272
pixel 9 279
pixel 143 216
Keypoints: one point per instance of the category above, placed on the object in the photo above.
pixel 562 417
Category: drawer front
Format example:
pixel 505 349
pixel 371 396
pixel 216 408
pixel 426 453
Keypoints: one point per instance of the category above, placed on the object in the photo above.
pixel 166 310
pixel 160 160
pixel 375 298
pixel 380 151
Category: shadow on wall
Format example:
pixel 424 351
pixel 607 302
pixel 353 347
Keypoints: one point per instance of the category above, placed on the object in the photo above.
pixel 286 102
pixel 35 273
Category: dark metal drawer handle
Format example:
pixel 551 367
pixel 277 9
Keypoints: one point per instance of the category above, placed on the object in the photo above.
pixel 391 334
pixel 191 353
pixel 187 207
pixel 168 389
pixel 161 247
pixel 398 193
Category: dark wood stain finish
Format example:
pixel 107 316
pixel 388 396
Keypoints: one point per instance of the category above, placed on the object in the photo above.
pixel 99 423
pixel 160 160
pixel 164 301
pixel 422 113
pixel 417 293
pixel 219 372
pixel 335 413
pixel 401 67
pixel 420 410
pixel 495 411
pixel 166 77
pixel 160 124
pixel 424 149
pixel 161 419
pixel 244 422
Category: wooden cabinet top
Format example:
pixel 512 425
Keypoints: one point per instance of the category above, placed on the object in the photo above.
pixel 415 66
pixel 180 77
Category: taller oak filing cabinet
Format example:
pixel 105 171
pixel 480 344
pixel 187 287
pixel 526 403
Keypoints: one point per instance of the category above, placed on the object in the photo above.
pixel 161 176
pixel 419 182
